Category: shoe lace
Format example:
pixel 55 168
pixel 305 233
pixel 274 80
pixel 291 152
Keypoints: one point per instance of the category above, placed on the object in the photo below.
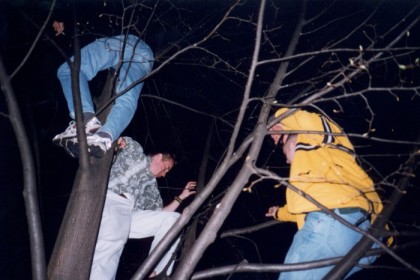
pixel 72 126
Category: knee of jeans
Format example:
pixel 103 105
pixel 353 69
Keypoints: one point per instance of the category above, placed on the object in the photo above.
pixel 128 101
pixel 368 260
pixel 63 70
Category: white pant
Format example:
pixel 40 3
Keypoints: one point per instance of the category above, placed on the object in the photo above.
pixel 118 224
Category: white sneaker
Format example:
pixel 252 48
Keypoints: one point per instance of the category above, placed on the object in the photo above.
pixel 71 147
pixel 97 145
pixel 91 127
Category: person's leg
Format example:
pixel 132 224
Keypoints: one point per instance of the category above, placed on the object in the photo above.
pixel 102 54
pixel 322 237
pixel 137 63
pixel 366 260
pixel 157 224
pixel 64 75
pixel 113 234
pixel 94 57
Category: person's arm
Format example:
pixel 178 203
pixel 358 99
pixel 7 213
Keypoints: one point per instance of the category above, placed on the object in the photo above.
pixel 186 192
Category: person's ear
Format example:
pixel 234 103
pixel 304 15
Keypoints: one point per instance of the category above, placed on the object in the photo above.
pixel 284 138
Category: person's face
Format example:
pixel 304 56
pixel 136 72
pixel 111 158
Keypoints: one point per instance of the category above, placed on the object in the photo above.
pixel 289 149
pixel 160 166
pixel 278 138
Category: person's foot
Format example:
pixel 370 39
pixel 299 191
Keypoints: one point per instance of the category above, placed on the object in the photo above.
pixel 71 147
pixel 97 145
pixel 91 127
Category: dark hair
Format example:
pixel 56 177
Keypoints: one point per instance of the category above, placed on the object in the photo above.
pixel 169 156
pixel 165 156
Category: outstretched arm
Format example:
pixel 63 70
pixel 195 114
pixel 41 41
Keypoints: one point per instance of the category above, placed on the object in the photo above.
pixel 186 192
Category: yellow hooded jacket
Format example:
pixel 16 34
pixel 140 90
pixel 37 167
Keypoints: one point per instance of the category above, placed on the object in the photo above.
pixel 324 167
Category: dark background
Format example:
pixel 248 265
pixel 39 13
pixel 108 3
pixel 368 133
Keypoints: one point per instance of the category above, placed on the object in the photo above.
pixel 161 124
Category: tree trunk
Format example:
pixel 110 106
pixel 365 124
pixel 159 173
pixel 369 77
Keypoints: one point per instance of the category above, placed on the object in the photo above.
pixel 73 251
pixel 29 178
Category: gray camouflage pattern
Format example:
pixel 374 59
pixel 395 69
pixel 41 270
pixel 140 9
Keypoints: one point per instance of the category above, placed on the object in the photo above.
pixel 130 174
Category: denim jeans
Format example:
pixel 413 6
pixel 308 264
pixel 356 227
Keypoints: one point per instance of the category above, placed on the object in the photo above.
pixel 324 237
pixel 105 53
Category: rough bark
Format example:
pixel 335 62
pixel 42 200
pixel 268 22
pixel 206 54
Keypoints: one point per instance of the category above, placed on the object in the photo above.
pixel 73 250
pixel 29 185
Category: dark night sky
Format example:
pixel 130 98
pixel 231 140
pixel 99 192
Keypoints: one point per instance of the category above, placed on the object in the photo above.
pixel 159 124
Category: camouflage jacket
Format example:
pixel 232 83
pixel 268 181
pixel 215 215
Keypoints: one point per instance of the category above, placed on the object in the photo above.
pixel 130 174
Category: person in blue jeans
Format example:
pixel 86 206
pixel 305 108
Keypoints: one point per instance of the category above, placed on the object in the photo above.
pixel 323 166
pixel 132 59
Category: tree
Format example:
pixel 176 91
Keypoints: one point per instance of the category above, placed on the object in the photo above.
pixel 30 192
pixel 260 56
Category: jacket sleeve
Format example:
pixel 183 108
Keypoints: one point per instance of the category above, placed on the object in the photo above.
pixel 284 215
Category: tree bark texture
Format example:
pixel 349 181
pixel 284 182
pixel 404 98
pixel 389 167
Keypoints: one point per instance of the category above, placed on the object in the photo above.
pixel 73 251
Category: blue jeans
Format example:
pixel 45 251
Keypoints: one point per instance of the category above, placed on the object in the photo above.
pixel 324 237
pixel 105 53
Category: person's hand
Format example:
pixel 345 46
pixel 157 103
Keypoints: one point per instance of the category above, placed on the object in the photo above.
pixel 272 211
pixel 188 190
pixel 121 144
pixel 58 27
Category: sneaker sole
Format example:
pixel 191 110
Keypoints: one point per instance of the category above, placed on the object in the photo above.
pixel 61 141
pixel 96 151
pixel 71 148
